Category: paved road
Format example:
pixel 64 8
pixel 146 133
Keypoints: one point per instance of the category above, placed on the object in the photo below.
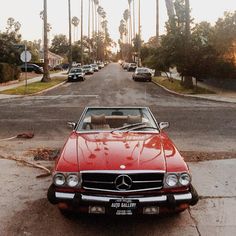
pixel 195 125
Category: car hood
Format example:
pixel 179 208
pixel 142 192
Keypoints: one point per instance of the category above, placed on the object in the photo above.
pixel 113 151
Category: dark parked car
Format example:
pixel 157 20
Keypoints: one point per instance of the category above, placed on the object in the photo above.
pixel 58 67
pixel 76 74
pixel 32 68
pixel 131 67
pixel 118 160
pixel 142 73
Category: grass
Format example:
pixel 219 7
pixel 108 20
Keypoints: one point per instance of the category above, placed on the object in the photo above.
pixel 34 87
pixel 177 87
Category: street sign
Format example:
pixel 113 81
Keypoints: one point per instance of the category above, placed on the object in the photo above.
pixel 25 56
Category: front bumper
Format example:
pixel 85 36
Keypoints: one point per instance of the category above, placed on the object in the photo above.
pixel 169 202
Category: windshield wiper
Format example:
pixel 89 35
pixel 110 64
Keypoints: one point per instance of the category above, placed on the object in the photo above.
pixel 127 127
pixel 142 127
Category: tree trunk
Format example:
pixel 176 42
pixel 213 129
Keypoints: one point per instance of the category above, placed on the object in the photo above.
pixel 70 44
pixel 82 49
pixel 170 8
pixel 187 80
pixel 157 21
pixel 46 76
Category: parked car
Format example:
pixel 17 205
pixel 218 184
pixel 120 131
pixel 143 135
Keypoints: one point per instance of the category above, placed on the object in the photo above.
pixel 76 74
pixel 58 67
pixel 142 73
pixel 95 67
pixel 100 65
pixel 125 65
pixel 32 68
pixel 119 161
pixel 88 69
pixel 131 67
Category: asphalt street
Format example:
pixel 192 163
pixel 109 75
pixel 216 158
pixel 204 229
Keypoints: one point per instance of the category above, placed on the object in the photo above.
pixel 196 125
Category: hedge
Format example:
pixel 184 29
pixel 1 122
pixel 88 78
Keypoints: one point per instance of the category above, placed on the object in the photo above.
pixel 9 72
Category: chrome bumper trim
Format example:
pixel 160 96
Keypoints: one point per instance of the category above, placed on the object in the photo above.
pixel 162 198
pixel 181 197
pixel 64 195
pixel 101 199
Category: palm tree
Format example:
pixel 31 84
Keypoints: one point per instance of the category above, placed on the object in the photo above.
pixel 134 33
pixel 170 8
pixel 157 21
pixel 82 49
pixel 70 44
pixel 130 22
pixel 46 77
pixel 75 23
pixel 126 18
pixel 139 32
pixel 187 80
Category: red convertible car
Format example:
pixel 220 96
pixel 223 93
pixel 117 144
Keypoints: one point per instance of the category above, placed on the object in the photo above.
pixel 119 161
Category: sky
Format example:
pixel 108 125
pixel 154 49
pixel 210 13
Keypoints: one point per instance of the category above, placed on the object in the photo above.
pixel 27 12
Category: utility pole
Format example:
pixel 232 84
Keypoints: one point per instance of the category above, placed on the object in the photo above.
pixel 46 76
pixel 82 50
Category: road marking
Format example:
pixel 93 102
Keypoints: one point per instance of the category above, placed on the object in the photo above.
pixel 67 96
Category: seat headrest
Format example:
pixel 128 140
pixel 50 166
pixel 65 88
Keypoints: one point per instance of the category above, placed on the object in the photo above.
pixel 134 119
pixel 98 119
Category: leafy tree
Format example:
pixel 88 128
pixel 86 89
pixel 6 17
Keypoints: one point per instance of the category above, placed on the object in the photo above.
pixel 60 45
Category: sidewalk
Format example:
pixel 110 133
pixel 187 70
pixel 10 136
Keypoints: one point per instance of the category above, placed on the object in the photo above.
pixel 22 83
pixel 224 91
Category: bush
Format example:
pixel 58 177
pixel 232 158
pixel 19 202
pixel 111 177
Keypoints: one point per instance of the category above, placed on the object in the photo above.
pixel 9 72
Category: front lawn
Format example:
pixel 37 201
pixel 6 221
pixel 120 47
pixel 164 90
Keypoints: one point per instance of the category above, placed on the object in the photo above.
pixel 174 85
pixel 34 87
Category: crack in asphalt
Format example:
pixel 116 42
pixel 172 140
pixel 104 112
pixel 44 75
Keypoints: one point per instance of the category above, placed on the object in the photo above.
pixel 217 197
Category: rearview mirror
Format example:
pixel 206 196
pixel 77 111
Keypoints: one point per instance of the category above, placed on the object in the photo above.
pixel 164 125
pixel 71 124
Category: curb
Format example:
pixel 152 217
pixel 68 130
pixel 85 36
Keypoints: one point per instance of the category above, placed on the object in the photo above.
pixel 33 94
pixel 189 95
pixel 46 90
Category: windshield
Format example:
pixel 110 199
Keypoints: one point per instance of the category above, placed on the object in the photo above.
pixel 117 119
pixel 76 71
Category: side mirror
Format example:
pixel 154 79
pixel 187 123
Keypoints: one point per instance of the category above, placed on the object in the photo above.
pixel 71 124
pixel 164 125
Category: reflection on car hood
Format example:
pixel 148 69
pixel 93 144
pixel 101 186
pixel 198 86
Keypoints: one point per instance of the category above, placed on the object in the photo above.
pixel 108 151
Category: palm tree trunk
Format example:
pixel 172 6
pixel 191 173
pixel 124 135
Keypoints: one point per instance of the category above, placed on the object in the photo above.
pixel 89 9
pixel 46 76
pixel 70 44
pixel 157 21
pixel 82 49
pixel 170 8
pixel 134 19
pixel 187 80
pixel 139 33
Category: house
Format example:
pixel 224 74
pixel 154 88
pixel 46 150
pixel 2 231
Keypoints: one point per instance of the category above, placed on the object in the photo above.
pixel 53 58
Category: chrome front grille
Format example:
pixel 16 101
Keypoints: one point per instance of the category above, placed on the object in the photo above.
pixel 120 181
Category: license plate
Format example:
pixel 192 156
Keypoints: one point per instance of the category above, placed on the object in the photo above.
pixel 123 206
